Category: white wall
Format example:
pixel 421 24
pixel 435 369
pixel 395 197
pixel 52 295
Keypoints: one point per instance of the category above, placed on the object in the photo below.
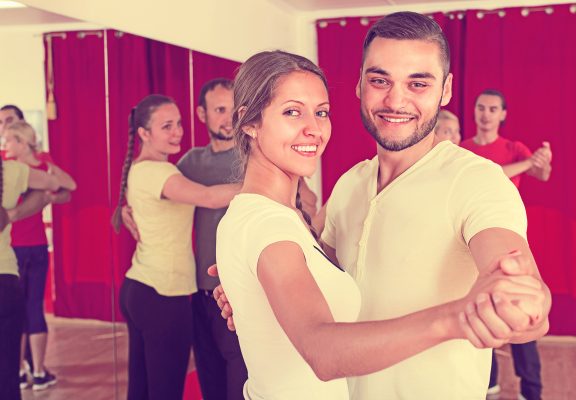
pixel 22 68
pixel 232 29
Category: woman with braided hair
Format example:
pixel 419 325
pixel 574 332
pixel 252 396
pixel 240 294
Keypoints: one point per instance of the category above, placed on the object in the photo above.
pixel 15 179
pixel 154 297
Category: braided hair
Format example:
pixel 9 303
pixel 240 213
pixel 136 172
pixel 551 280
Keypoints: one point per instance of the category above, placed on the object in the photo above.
pixel 139 118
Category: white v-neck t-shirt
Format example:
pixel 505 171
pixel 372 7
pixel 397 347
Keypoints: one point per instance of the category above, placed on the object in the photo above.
pixel 407 248
pixel 275 368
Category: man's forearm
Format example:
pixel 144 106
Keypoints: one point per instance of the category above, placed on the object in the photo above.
pixel 517 168
pixel 61 196
pixel 33 203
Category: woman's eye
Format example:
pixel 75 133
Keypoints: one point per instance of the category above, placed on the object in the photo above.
pixel 323 113
pixel 292 113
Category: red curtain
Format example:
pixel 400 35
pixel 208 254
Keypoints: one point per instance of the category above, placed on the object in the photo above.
pixel 89 139
pixel 528 54
pixel 78 142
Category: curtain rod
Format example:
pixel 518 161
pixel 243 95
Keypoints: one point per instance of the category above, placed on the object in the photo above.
pixel 79 34
pixel 525 12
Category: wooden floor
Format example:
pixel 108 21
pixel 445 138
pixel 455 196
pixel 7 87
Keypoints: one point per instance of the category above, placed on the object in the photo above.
pixel 558 357
pixel 82 354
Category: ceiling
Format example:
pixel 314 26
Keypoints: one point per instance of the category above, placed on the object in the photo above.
pixel 311 5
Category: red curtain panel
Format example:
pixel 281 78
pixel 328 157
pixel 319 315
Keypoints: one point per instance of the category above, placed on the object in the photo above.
pixel 89 138
pixel 78 141
pixel 528 54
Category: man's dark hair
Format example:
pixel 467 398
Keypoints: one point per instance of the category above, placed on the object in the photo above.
pixel 16 110
pixel 408 25
pixel 493 92
pixel 211 85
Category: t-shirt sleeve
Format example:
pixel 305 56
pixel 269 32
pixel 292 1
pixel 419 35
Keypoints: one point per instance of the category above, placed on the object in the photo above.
pixel 154 176
pixel 522 151
pixel 482 197
pixel 328 235
pixel 45 157
pixel 272 228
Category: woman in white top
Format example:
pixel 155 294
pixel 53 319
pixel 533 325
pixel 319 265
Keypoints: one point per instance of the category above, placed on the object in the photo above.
pixel 154 297
pixel 15 179
pixel 294 308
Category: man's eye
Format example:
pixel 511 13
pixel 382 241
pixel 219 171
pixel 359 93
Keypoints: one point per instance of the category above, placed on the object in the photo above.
pixel 378 81
pixel 419 85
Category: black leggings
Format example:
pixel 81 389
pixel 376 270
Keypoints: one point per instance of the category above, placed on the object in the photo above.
pixel 11 322
pixel 160 330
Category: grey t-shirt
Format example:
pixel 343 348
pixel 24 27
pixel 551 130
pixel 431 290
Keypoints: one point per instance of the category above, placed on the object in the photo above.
pixel 203 165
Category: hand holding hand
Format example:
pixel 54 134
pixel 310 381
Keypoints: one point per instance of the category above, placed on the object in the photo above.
pixel 222 300
pixel 504 302
pixel 129 223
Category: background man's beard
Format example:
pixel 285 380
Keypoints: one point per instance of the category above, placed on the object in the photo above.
pixel 219 136
pixel 398 145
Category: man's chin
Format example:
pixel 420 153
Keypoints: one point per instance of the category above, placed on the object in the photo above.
pixel 221 136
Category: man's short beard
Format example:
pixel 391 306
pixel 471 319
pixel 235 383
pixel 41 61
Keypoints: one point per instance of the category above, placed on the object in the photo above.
pixel 219 136
pixel 400 145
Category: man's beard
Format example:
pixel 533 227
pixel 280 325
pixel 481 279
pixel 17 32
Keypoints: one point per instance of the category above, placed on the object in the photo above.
pixel 219 136
pixel 399 145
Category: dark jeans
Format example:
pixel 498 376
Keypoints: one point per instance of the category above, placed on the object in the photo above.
pixel 221 369
pixel 33 268
pixel 527 368
pixel 159 329
pixel 11 320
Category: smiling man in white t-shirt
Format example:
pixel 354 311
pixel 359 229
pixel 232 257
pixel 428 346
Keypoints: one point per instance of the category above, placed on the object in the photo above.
pixel 418 223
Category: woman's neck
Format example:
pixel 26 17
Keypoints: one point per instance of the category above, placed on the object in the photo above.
pixel 147 154
pixel 268 180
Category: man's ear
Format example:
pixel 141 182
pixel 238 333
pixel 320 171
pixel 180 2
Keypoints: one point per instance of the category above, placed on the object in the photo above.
pixel 447 90
pixel 504 113
pixel 201 113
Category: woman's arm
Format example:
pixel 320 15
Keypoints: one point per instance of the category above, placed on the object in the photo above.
pixel 66 181
pixel 181 189
pixel 38 179
pixel 335 350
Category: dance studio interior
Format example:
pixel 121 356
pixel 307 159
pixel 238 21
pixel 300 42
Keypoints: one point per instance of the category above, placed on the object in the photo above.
pixel 76 69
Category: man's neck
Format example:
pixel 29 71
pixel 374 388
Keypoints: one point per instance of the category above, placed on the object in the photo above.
pixel 392 164
pixel 483 138
pixel 221 145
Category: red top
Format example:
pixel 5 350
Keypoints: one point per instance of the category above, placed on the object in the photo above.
pixel 30 231
pixel 501 151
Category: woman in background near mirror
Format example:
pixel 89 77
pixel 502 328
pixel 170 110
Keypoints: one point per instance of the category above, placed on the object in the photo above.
pixel 31 247
pixel 155 295
pixel 15 178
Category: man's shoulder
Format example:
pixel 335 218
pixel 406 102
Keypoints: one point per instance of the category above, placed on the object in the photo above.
pixel 363 169
pixel 461 160
pixel 355 177
pixel 195 152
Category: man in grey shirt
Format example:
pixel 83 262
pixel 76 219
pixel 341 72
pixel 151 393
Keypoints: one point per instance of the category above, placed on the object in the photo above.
pixel 221 369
